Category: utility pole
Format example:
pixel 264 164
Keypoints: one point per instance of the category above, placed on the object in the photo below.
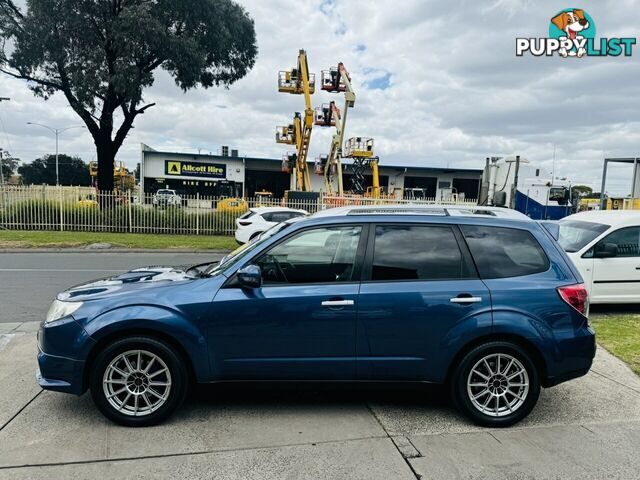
pixel 56 132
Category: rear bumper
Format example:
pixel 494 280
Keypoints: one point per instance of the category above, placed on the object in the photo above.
pixel 577 353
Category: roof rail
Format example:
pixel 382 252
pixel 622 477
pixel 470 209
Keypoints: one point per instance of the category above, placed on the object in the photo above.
pixel 397 211
pixel 418 209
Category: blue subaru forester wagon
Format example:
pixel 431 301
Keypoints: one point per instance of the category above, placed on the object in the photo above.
pixel 483 300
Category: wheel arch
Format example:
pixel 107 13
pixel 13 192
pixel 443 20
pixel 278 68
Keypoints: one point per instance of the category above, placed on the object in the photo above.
pixel 527 345
pixel 155 334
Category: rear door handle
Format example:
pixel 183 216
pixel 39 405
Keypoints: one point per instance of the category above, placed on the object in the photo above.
pixel 465 299
pixel 337 303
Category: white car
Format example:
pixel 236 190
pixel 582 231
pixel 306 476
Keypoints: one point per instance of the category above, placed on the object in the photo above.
pixel 261 219
pixel 166 198
pixel 605 247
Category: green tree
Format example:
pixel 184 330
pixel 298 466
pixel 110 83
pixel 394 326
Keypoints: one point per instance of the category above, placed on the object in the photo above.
pixel 9 166
pixel 72 171
pixel 578 191
pixel 102 54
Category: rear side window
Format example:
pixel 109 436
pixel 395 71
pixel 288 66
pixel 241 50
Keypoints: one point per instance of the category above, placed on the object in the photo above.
pixel 411 252
pixel 282 216
pixel 504 252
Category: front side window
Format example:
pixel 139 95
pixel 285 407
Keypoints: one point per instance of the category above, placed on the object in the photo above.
pixel 575 235
pixel 626 239
pixel 504 252
pixel 411 252
pixel 318 255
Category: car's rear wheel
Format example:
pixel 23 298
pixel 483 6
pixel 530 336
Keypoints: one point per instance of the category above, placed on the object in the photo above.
pixel 138 381
pixel 496 384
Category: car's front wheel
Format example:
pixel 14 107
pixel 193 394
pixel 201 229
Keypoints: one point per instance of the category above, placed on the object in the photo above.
pixel 138 381
pixel 496 384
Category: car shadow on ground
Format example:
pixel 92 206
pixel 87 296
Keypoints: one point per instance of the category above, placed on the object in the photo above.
pixel 265 393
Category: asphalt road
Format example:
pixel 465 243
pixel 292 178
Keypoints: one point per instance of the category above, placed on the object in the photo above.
pixel 30 281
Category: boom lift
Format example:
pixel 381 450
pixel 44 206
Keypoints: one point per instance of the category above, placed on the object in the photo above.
pixel 123 180
pixel 334 80
pixel 360 149
pixel 298 81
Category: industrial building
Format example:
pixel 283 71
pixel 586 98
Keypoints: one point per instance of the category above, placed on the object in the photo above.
pixel 229 174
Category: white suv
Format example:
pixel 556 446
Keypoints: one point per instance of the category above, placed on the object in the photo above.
pixel 261 219
pixel 605 247
pixel 166 198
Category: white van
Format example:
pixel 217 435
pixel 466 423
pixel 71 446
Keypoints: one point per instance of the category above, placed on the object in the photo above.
pixel 605 247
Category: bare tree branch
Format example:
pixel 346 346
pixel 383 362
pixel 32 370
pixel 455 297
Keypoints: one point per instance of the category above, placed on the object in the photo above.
pixel 24 76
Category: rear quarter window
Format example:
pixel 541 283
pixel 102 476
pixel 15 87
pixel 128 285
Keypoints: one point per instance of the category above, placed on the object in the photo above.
pixel 504 252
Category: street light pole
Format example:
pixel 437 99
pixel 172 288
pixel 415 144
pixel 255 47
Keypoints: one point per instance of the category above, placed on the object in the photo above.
pixel 1 172
pixel 2 99
pixel 57 169
pixel 56 132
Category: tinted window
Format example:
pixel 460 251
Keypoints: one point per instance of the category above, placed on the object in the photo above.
pixel 404 252
pixel 282 216
pixel 627 240
pixel 319 255
pixel 576 235
pixel 505 252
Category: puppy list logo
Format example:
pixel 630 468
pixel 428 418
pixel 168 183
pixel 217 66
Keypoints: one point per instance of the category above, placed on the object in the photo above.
pixel 572 33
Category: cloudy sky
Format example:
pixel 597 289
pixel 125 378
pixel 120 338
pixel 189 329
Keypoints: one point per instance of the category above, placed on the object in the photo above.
pixel 437 82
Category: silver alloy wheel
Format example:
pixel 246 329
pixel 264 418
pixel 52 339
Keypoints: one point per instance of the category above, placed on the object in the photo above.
pixel 498 384
pixel 137 383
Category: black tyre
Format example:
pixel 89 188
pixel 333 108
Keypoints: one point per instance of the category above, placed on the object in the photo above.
pixel 496 384
pixel 138 381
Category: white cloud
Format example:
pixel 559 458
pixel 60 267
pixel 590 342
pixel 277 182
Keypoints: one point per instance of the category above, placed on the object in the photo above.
pixel 456 91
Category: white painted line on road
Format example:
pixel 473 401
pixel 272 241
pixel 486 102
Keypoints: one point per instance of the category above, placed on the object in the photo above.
pixel 58 270
pixel 5 339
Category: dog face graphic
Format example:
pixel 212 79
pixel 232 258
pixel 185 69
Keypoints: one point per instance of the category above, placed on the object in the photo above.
pixel 571 22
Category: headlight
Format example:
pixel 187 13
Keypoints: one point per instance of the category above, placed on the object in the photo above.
pixel 60 309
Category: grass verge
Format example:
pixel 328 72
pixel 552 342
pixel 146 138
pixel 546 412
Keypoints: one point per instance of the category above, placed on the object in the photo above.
pixel 620 335
pixel 51 239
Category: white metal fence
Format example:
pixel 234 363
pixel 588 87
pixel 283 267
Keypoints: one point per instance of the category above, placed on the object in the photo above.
pixel 81 209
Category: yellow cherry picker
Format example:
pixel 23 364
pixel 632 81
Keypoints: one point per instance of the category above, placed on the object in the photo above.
pixel 298 81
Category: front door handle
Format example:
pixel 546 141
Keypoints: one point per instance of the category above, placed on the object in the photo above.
pixel 465 299
pixel 337 303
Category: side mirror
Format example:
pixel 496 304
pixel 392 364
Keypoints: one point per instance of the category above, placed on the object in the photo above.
pixel 250 276
pixel 606 250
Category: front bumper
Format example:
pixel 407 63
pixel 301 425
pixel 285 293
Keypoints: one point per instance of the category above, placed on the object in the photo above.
pixel 61 356
pixel 60 374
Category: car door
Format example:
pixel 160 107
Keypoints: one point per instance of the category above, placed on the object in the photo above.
pixel 616 279
pixel 300 324
pixel 419 285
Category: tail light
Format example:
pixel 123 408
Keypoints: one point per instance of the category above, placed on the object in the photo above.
pixel 576 296
pixel 244 224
